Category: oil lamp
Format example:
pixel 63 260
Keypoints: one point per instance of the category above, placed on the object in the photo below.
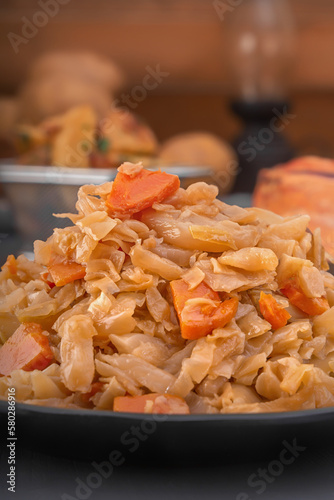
pixel 261 47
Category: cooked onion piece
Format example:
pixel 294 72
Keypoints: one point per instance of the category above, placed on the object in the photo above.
pixel 251 259
pixel 200 233
pixel 149 261
pixel 77 355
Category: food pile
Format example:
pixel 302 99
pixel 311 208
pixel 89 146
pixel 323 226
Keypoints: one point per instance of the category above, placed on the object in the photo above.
pixel 159 299
pixel 79 139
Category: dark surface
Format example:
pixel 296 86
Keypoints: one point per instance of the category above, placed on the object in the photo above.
pixel 43 477
pixel 9 244
pixel 91 433
pixel 195 457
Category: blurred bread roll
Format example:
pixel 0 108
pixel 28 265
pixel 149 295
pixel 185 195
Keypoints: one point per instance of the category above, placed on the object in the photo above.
pixel 59 81
pixel 203 149
pixel 85 66
pixel 8 116
pixel 56 94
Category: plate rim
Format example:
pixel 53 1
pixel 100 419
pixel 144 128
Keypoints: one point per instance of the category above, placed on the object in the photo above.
pixel 12 173
pixel 268 417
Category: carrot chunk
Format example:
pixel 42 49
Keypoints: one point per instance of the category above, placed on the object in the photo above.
pixel 310 306
pixel 130 195
pixel 27 349
pixel 10 264
pixel 64 271
pixel 198 319
pixel 272 311
pixel 151 403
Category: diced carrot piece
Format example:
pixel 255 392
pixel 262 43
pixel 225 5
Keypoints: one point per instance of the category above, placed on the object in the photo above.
pixel 181 293
pixel 151 403
pixel 64 271
pixel 10 264
pixel 27 349
pixel 310 306
pixel 201 319
pixel 272 311
pixel 130 195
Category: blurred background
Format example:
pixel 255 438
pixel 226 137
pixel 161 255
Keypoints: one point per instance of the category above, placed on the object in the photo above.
pixel 253 79
pixel 187 39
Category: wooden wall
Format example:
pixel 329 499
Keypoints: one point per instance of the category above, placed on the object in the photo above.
pixel 185 36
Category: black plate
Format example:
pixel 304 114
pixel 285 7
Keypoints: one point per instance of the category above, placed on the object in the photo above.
pixel 90 434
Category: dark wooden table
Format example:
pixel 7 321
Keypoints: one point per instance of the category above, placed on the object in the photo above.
pixel 44 477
